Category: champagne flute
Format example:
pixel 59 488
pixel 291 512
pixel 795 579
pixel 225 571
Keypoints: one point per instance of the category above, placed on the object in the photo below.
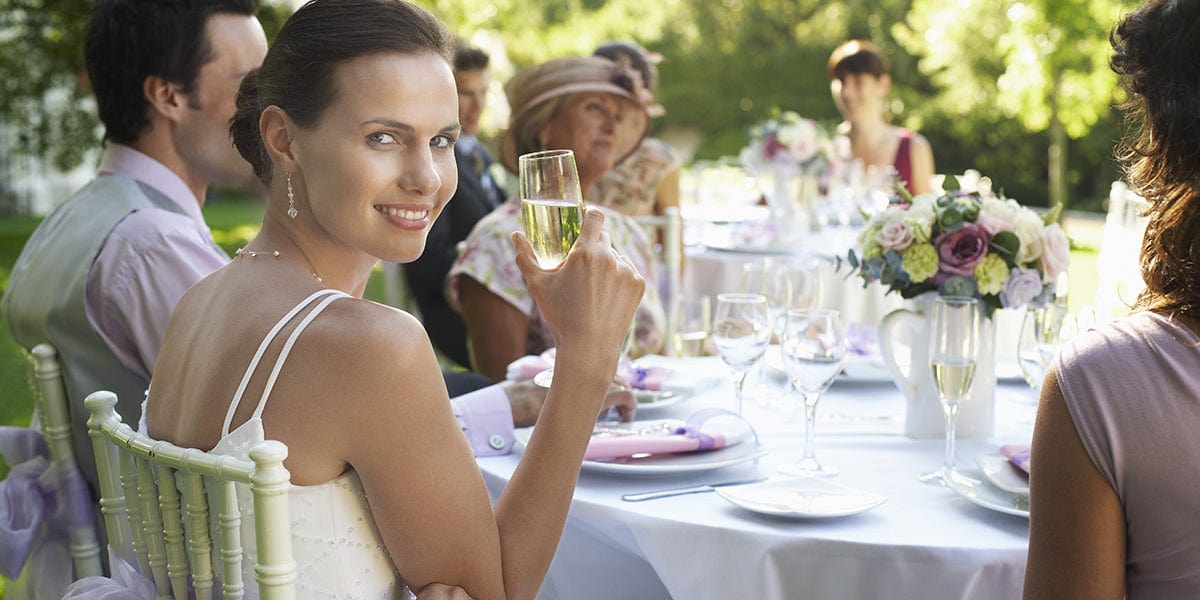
pixel 953 353
pixel 551 211
pixel 693 319
pixel 551 203
pixel 814 346
pixel 741 333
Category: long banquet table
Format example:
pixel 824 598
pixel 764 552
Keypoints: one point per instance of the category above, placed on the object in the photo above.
pixel 924 542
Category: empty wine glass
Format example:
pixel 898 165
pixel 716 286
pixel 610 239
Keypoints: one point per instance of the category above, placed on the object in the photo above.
pixel 953 352
pixel 551 211
pixel 772 280
pixel 814 346
pixel 1042 330
pixel 741 333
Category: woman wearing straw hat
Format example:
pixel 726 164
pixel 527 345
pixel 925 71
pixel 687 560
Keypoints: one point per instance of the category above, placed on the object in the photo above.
pixel 586 105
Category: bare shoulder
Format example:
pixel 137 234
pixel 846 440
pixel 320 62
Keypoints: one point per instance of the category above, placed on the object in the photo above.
pixel 353 331
pixel 919 142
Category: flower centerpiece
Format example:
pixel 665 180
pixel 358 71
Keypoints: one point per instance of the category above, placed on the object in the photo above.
pixel 964 243
pixel 788 141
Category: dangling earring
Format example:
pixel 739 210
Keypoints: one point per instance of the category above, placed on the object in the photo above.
pixel 292 212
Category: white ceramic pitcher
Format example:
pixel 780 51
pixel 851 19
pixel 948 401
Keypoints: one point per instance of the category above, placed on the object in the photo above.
pixel 923 417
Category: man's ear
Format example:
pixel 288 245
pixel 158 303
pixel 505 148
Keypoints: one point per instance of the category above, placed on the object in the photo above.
pixel 277 130
pixel 165 97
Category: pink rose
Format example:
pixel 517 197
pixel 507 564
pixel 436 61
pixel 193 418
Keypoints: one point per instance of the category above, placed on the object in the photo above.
pixel 960 250
pixel 895 235
pixel 1056 252
pixel 993 224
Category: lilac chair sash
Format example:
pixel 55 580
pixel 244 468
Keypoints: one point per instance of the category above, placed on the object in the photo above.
pixel 126 583
pixel 40 503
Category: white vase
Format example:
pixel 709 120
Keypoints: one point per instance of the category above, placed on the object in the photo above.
pixel 923 416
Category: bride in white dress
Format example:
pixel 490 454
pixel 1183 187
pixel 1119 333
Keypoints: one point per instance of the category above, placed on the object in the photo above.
pixel 351 124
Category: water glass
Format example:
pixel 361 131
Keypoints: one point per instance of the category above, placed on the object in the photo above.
pixel 814 347
pixel 741 333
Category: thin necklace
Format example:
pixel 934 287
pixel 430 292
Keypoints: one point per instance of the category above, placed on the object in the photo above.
pixel 275 253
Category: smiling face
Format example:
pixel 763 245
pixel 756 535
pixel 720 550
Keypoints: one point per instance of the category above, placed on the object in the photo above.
pixel 586 123
pixel 379 167
pixel 860 95
pixel 472 97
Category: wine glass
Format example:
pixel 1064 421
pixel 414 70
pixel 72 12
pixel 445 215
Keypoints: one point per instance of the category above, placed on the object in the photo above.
pixel 953 353
pixel 551 211
pixel 1042 330
pixel 693 321
pixel 741 332
pixel 814 346
pixel 772 280
pixel 551 203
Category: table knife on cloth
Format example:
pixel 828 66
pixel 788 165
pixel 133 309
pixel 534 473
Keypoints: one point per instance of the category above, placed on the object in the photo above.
pixel 695 489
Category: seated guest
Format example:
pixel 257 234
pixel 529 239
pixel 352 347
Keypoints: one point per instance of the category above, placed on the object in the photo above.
pixel 477 196
pixel 583 104
pixel 1115 453
pixel 647 181
pixel 859 81
pixel 351 124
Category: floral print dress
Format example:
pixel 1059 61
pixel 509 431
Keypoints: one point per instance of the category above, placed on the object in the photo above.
pixel 490 259
pixel 631 186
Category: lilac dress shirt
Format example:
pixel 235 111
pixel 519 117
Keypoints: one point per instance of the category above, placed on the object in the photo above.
pixel 153 256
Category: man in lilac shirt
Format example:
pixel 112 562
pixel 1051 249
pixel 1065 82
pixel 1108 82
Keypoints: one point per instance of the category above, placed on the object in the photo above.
pixel 100 276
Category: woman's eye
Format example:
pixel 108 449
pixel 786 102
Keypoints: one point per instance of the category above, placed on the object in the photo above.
pixel 382 138
pixel 442 141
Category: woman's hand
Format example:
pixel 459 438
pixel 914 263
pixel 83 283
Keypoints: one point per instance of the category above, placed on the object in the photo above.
pixel 589 300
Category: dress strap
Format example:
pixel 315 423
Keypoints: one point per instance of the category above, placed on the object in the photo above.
pixel 903 159
pixel 287 348
pixel 262 348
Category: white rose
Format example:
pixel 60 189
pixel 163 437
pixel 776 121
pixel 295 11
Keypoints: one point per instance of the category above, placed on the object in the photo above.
pixel 1056 252
pixel 1028 227
pixel 895 235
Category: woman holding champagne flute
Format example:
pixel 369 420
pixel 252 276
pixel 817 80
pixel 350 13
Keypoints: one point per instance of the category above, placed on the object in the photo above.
pixel 582 104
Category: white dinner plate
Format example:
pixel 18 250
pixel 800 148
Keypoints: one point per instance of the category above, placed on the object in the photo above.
pixel 972 485
pixel 1002 473
pixel 801 498
pixel 856 367
pixel 665 464
pixel 655 399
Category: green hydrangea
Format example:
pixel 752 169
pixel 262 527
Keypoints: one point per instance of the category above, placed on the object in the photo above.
pixel 990 274
pixel 920 261
pixel 870 246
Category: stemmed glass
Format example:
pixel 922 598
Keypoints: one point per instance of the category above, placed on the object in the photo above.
pixel 551 210
pixel 814 346
pixel 741 332
pixel 1042 331
pixel 773 280
pixel 953 352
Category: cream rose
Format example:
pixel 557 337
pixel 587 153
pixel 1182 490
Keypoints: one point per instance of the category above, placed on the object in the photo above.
pixel 894 235
pixel 1056 252
pixel 1028 227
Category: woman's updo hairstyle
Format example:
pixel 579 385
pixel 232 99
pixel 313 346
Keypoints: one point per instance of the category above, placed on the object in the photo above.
pixel 858 57
pixel 297 73
pixel 1155 49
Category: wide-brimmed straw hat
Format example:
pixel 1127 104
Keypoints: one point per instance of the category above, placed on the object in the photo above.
pixel 534 87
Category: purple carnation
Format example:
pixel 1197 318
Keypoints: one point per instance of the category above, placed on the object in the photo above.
pixel 1022 287
pixel 961 249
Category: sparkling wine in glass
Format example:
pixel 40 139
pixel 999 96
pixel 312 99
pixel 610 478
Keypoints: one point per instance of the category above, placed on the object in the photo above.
pixel 551 203
pixel 954 331
pixel 814 347
pixel 741 333
pixel 692 323
pixel 551 211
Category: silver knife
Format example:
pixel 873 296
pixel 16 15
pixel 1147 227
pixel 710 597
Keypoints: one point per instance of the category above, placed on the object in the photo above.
pixel 695 489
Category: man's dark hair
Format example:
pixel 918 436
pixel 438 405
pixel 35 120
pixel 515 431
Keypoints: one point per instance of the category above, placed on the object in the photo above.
pixel 469 58
pixel 130 40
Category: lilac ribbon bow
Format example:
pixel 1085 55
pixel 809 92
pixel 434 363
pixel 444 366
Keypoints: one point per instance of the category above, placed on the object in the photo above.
pixel 691 427
pixel 36 492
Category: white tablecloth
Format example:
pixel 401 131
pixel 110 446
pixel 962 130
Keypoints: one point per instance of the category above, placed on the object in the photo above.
pixel 924 543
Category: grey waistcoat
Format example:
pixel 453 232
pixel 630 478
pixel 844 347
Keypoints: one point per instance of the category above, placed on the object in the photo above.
pixel 44 301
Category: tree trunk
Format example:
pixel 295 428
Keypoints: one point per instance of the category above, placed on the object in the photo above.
pixel 1057 153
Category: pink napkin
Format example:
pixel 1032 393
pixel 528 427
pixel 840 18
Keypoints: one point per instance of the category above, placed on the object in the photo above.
pixel 640 378
pixel 618 446
pixel 1018 454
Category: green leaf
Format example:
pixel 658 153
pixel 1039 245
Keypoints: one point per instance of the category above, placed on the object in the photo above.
pixel 1006 244
pixel 951 184
pixel 1051 215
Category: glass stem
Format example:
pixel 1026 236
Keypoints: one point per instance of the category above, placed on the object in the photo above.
pixel 810 424
pixel 739 377
pixel 950 409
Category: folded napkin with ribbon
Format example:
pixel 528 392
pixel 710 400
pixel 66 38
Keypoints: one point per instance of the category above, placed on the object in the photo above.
pixel 1018 454
pixel 638 377
pixel 707 429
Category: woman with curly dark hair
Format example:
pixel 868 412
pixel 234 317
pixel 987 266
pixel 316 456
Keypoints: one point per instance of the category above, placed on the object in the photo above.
pixel 1115 450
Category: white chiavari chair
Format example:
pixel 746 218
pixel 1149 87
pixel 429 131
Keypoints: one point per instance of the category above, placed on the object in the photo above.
pixel 55 422
pixel 170 539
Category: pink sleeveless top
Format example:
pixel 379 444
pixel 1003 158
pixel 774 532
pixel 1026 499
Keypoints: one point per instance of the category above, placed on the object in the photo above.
pixel 903 160
pixel 1132 388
